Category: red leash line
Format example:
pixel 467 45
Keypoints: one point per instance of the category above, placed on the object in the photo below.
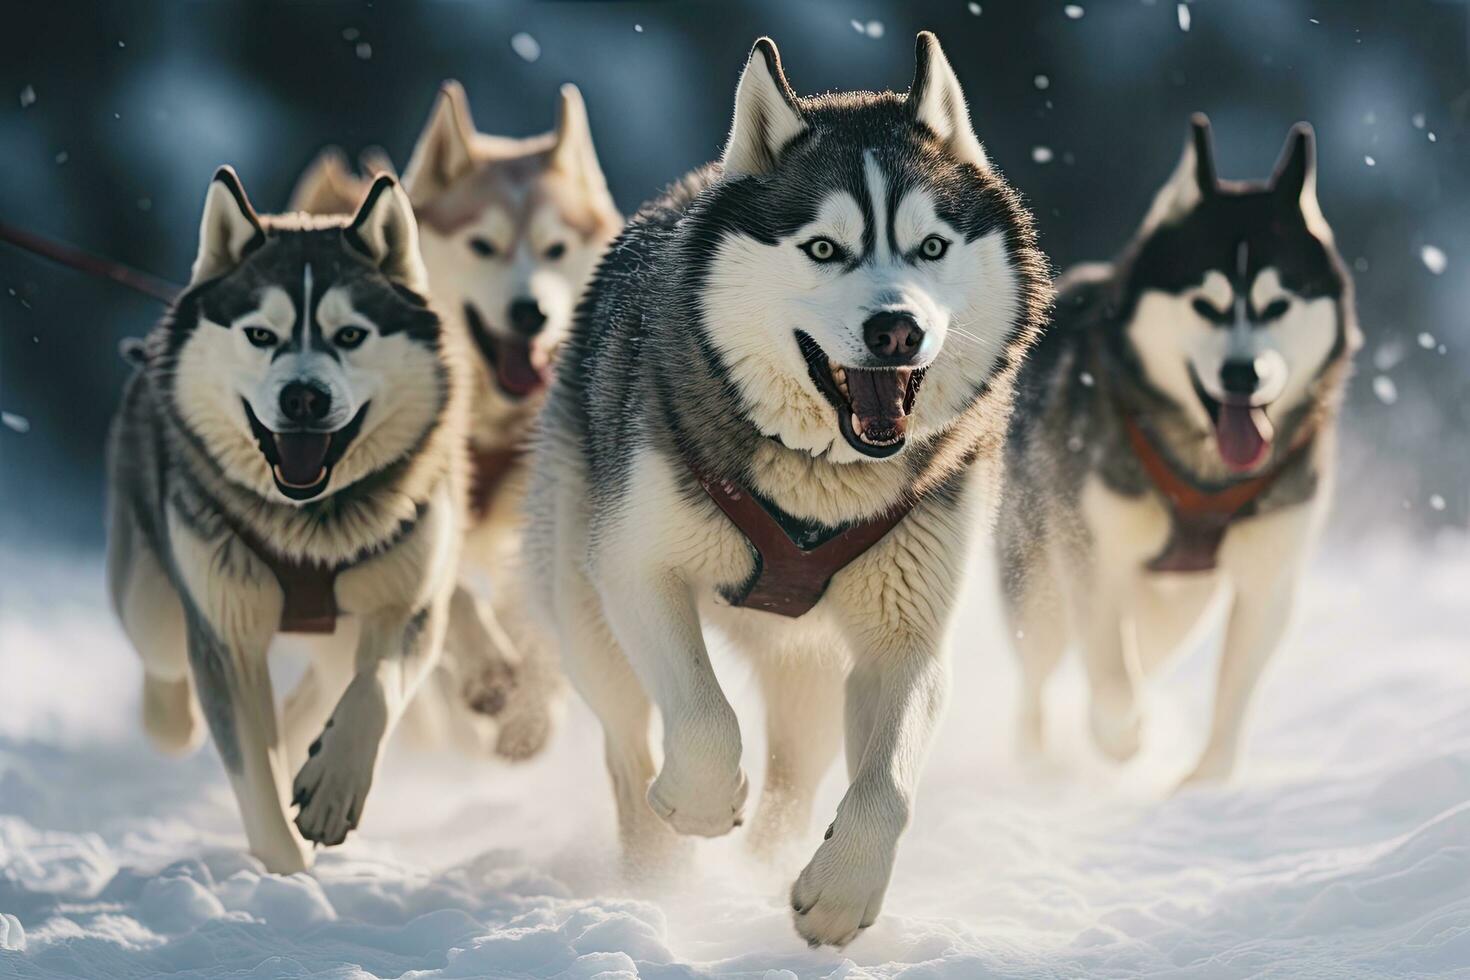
pixel 92 265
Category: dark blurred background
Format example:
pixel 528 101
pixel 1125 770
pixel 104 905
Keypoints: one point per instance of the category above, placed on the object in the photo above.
pixel 113 116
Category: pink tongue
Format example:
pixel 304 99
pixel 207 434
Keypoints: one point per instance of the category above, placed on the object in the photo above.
pixel 513 368
pixel 1243 434
pixel 301 456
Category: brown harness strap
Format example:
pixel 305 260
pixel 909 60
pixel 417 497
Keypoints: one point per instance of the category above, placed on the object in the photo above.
pixel 790 580
pixel 491 467
pixel 309 589
pixel 1198 517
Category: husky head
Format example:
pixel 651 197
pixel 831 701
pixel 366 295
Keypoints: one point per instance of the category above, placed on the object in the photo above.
pixel 303 356
pixel 511 232
pixel 1239 296
pixel 864 273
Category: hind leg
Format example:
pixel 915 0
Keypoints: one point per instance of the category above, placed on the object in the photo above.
pixel 803 701
pixel 153 617
pixel 535 706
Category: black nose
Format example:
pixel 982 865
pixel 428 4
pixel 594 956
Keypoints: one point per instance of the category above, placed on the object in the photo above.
pixel 526 317
pixel 1239 377
pixel 304 403
pixel 893 336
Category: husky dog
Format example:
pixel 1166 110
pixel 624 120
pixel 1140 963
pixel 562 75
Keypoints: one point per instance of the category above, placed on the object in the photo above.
pixel 1174 434
pixel 511 229
pixel 794 366
pixel 290 458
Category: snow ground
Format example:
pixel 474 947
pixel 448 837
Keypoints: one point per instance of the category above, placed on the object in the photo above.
pixel 1342 850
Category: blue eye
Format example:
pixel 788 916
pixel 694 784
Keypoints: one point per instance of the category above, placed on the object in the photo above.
pixel 261 337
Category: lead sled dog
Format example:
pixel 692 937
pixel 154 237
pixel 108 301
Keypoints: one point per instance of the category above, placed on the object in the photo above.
pixel 510 230
pixel 289 458
pixel 1175 434
pixel 799 357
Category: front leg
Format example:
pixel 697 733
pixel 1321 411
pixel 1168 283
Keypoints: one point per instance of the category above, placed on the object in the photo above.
pixel 396 651
pixel 701 788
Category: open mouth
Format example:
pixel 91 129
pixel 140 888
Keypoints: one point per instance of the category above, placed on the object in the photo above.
pixel 301 462
pixel 512 360
pixel 873 404
pixel 1243 432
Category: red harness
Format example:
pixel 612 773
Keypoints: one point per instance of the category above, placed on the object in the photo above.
pixel 308 589
pixel 1199 518
pixel 491 467
pixel 790 580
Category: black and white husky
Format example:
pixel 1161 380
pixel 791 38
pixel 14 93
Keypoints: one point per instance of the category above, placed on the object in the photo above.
pixel 1174 433
pixel 781 414
pixel 290 457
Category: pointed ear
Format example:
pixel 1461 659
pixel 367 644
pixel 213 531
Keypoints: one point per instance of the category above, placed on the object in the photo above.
pixel 326 186
pixel 229 230
pixel 937 101
pixel 766 116
pixel 1193 178
pixel 384 230
pixel 573 153
pixel 443 150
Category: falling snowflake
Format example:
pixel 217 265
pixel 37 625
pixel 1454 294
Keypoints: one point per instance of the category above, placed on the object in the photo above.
pixel 975 9
pixel 1385 389
pixel 872 29
pixel 1042 82
pixel 1426 340
pixel 638 28
pixel 1436 502
pixel 1370 161
pixel 1073 11
pixel 27 97
pixel 1041 154
pixel 17 423
pixel 526 46
pixel 1087 379
pixel 1184 17
pixel 1418 120
pixel 364 50
pixel 62 157
pixel 1433 138
pixel 350 34
pixel 1075 443
pixel 1433 258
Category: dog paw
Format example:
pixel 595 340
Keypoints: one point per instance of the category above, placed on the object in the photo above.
pixel 331 788
pixel 523 734
pixel 489 689
pixel 699 800
pixel 840 892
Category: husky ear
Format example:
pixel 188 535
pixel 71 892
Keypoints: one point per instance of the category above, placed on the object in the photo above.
pixel 1192 181
pixel 573 153
pixel 766 116
pixel 326 186
pixel 443 150
pixel 229 230
pixel 937 101
pixel 1294 182
pixel 385 231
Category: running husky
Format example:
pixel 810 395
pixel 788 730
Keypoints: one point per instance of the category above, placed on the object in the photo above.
pixel 1175 433
pixel 511 230
pixel 781 413
pixel 288 459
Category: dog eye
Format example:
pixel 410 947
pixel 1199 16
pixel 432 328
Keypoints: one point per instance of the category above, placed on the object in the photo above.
pixel 482 247
pixel 261 337
pixel 933 248
pixel 822 250
pixel 1275 309
pixel 556 251
pixel 349 337
pixel 1209 312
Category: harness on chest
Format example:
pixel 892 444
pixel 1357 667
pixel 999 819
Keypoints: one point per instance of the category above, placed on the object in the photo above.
pixel 489 469
pixel 1199 518
pixel 308 589
pixel 789 579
